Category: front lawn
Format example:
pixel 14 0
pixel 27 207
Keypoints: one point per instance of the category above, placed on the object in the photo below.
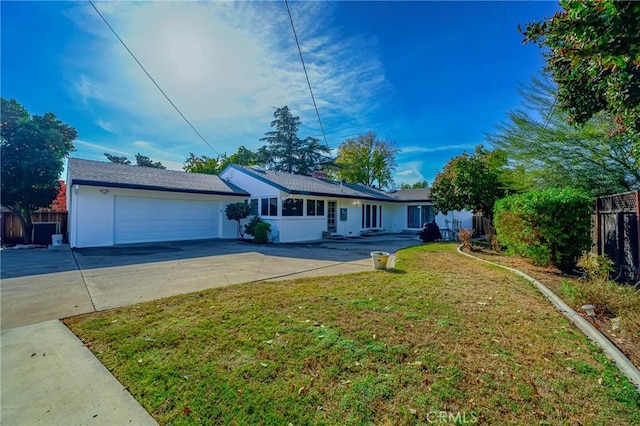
pixel 442 337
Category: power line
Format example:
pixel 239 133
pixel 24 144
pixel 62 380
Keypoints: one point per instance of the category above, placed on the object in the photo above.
pixel 151 78
pixel 295 35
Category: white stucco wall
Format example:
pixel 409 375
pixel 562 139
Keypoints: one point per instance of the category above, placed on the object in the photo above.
pixel 305 228
pixel 91 218
pixel 249 184
pixel 351 226
pixel 394 217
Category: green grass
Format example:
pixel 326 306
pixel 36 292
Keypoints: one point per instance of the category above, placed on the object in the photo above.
pixel 448 335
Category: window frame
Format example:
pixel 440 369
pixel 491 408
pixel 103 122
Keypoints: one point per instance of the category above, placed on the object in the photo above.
pixel 268 206
pixel 317 210
pixel 291 205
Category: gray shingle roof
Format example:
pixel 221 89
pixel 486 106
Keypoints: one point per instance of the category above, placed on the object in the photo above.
pixel 98 173
pixel 307 185
pixel 412 194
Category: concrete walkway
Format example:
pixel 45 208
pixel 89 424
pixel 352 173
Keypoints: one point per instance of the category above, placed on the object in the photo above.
pixel 49 377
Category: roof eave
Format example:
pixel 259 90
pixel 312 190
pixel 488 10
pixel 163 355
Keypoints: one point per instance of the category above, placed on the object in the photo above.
pixel 155 188
pixel 260 178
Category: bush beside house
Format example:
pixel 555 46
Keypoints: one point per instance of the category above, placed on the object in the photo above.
pixel 550 227
pixel 258 229
pixel 261 232
pixel 237 212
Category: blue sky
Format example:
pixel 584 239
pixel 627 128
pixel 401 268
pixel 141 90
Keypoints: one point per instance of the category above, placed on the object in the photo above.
pixel 435 77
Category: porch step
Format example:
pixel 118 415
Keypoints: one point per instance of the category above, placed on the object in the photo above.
pixel 326 235
pixel 372 232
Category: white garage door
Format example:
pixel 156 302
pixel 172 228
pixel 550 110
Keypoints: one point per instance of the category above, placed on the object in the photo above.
pixel 139 220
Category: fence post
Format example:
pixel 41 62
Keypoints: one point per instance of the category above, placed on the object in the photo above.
pixel 620 243
pixel 597 225
pixel 638 227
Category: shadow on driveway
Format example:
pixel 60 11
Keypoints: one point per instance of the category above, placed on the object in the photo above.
pixel 22 263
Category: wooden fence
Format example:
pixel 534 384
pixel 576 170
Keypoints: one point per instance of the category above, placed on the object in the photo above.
pixel 481 225
pixel 616 233
pixel 12 231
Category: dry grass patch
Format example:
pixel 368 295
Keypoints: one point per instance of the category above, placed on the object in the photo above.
pixel 610 299
pixel 442 333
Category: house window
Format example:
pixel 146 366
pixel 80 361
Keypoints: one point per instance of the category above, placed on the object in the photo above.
pixel 371 216
pixel 253 203
pixel 292 207
pixel 374 216
pixel 269 207
pixel 315 207
pixel 418 216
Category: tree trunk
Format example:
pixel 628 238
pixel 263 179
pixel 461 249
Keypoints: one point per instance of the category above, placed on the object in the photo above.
pixel 25 222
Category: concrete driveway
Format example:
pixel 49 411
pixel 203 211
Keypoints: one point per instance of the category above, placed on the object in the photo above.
pixel 50 377
pixel 39 285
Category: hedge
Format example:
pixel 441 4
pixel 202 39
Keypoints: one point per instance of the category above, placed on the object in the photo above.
pixel 550 227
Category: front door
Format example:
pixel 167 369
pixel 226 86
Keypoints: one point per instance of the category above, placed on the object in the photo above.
pixel 331 216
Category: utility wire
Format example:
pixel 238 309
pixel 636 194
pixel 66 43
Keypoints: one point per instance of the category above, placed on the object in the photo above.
pixel 151 78
pixel 295 35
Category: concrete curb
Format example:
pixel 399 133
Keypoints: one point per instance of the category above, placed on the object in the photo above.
pixel 612 352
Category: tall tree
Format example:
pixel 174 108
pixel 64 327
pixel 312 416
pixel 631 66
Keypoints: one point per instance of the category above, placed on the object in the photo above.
pixel 286 152
pixel 144 161
pixel 32 152
pixel 594 56
pixel 417 185
pixel 116 159
pixel 204 164
pixel 545 151
pixel 214 166
pixel 472 182
pixel 245 157
pixel 367 160
pixel 141 161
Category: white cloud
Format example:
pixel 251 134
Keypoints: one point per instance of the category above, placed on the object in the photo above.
pixel 226 65
pixel 409 172
pixel 142 144
pixel 150 149
pixel 84 88
pixel 441 148
pixel 105 125
pixel 101 149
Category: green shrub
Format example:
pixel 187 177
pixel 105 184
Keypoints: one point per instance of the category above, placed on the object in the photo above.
pixel 250 227
pixel 597 267
pixel 237 212
pixel 261 232
pixel 550 227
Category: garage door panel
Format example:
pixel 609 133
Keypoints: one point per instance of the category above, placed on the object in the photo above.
pixel 154 219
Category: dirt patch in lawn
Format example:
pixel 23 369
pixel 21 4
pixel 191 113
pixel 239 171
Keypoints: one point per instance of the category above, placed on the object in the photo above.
pixel 440 337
